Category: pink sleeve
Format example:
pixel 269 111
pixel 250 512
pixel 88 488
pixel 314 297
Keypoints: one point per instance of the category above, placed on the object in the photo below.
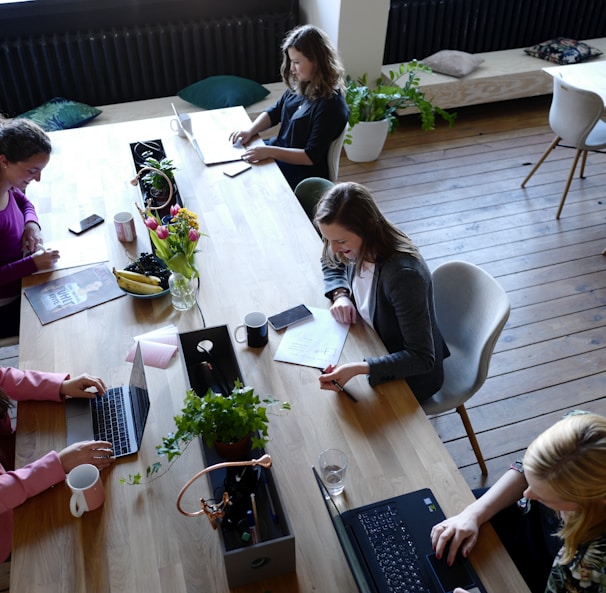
pixel 33 385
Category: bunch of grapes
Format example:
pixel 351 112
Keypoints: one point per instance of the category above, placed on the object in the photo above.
pixel 150 265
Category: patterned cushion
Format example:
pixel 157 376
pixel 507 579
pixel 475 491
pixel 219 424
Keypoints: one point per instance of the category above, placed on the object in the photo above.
pixel 61 114
pixel 562 50
pixel 215 92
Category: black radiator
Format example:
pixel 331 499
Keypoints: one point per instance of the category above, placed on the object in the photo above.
pixel 130 64
pixel 418 28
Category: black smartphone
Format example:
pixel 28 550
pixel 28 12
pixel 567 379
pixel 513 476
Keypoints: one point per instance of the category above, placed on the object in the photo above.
pixel 288 317
pixel 85 224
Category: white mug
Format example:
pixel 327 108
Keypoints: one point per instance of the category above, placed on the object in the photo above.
pixel 125 227
pixel 87 489
pixel 185 123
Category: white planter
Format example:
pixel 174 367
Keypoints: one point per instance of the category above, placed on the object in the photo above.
pixel 367 140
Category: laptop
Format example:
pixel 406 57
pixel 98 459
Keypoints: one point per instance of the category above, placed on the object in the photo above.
pixel 214 147
pixel 388 548
pixel 118 416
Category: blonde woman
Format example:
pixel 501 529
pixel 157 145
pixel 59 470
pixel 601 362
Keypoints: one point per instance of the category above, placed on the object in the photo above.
pixel 564 469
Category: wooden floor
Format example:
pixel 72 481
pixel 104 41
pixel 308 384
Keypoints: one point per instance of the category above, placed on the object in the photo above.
pixel 457 193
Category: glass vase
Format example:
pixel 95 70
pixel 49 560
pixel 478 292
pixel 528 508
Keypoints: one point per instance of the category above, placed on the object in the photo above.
pixel 182 291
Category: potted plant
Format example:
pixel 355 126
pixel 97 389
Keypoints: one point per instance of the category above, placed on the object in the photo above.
pixel 238 420
pixel 156 182
pixel 373 111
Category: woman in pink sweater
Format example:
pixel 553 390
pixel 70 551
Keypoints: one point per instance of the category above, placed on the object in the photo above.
pixel 16 486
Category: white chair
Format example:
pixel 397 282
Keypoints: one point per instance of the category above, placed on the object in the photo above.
pixel 334 155
pixel 574 117
pixel 471 309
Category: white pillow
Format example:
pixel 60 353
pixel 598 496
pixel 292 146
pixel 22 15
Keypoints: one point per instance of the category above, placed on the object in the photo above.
pixel 453 62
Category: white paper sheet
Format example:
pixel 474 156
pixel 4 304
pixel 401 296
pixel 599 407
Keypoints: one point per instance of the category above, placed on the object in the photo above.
pixel 79 251
pixel 157 346
pixel 316 342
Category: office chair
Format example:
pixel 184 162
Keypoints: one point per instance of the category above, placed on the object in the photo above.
pixel 574 117
pixel 309 191
pixel 471 309
pixel 334 155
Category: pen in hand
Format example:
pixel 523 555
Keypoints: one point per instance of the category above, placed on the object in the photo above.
pixel 341 388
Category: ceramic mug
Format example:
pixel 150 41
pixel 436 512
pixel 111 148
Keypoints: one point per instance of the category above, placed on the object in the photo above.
pixel 125 227
pixel 185 123
pixel 87 489
pixel 255 325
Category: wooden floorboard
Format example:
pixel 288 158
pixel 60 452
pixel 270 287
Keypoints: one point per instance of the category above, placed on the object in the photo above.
pixel 457 193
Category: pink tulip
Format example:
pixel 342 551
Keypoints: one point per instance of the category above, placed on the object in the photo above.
pixel 193 235
pixel 162 232
pixel 151 223
pixel 174 209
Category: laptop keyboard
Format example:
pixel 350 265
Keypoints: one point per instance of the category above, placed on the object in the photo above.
pixel 394 550
pixel 108 420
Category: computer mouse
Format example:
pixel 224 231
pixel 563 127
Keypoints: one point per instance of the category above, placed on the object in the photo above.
pixel 238 143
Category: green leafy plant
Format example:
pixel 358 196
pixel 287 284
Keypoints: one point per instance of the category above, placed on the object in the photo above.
pixel 215 418
pixel 156 181
pixel 383 101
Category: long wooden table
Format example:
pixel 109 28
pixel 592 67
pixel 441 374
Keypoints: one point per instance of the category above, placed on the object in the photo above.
pixel 261 253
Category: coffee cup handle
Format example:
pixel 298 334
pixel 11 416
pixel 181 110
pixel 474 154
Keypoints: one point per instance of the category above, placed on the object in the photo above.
pixel 174 125
pixel 238 328
pixel 77 504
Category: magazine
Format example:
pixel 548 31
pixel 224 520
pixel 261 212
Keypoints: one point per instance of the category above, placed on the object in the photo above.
pixel 73 293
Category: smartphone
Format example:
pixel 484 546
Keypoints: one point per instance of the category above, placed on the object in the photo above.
pixel 290 316
pixel 85 224
pixel 236 168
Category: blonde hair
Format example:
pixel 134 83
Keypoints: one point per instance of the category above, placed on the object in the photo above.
pixel 314 44
pixel 571 458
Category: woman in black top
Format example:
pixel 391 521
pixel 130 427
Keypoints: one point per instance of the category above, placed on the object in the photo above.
pixel 312 111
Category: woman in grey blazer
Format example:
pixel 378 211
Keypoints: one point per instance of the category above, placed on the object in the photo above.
pixel 372 270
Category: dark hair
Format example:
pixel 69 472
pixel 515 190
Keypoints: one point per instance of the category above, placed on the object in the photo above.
pixel 351 206
pixel 315 45
pixel 21 139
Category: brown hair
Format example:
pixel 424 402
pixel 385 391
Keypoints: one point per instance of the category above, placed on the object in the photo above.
pixel 314 44
pixel 21 139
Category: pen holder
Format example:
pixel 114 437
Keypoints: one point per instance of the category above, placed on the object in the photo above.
pixel 274 553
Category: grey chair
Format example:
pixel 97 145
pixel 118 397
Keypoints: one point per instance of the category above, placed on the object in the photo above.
pixel 574 116
pixel 309 191
pixel 472 309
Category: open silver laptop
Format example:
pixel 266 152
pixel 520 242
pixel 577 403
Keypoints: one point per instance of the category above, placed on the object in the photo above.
pixel 212 146
pixel 118 416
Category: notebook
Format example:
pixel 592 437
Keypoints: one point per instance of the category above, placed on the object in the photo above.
pixel 388 548
pixel 118 416
pixel 214 147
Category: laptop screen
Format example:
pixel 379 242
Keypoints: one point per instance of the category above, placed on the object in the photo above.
pixel 348 550
pixel 139 395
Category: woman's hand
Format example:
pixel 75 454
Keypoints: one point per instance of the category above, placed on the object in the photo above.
pixel 343 309
pixel 242 137
pixel 254 154
pixel 461 531
pixel 45 258
pixel 78 386
pixel 31 240
pixel 341 374
pixel 97 453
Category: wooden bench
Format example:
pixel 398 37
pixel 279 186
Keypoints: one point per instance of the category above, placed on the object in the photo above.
pixel 135 110
pixel 504 75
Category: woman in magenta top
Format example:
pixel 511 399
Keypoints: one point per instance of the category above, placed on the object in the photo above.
pixel 24 151
pixel 16 486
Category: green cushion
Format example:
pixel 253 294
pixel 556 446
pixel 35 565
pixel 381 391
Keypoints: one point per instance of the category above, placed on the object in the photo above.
pixel 215 92
pixel 61 114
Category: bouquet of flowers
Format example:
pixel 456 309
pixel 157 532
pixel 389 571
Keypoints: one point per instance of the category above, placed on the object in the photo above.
pixel 175 243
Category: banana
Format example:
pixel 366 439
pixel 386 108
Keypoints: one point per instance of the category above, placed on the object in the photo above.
pixel 137 287
pixel 137 277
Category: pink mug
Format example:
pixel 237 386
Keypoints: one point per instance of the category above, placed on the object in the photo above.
pixel 125 227
pixel 87 489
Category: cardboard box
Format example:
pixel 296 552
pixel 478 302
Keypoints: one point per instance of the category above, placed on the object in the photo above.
pixel 274 553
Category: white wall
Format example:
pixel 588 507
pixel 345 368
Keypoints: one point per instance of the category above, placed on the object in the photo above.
pixel 356 27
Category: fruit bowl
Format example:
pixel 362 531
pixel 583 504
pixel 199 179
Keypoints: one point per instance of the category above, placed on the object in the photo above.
pixel 144 278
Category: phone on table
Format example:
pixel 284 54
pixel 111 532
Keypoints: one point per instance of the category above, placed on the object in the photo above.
pixel 85 224
pixel 236 168
pixel 290 316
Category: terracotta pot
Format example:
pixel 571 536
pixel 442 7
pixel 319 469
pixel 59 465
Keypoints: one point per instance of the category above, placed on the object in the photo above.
pixel 236 451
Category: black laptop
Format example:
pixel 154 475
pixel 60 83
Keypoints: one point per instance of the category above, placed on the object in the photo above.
pixel 388 548
pixel 118 416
